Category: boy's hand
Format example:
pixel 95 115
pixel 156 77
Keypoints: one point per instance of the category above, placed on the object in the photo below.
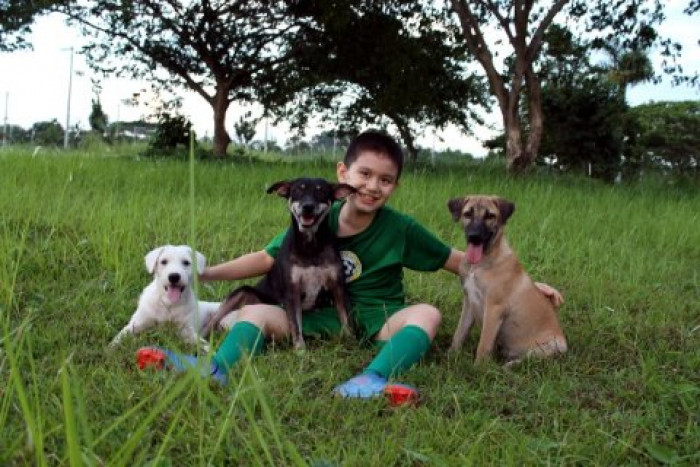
pixel 551 293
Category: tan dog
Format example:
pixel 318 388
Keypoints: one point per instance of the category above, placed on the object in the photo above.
pixel 515 317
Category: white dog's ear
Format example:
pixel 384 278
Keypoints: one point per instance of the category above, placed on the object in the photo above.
pixel 151 259
pixel 201 262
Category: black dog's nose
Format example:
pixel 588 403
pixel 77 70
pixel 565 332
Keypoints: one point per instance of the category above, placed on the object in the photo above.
pixel 308 208
pixel 174 278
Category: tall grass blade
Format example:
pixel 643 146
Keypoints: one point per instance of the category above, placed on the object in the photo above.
pixel 72 439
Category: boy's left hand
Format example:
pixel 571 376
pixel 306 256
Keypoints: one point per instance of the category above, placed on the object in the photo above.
pixel 551 293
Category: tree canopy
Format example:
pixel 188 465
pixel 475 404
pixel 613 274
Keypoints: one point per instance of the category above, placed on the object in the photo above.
pixel 224 51
pixel 16 19
pixel 364 62
pixel 626 24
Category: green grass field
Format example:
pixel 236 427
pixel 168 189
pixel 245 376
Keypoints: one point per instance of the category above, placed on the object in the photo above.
pixel 75 228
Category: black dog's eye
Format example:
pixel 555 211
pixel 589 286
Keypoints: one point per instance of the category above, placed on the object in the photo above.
pixel 186 263
pixel 163 262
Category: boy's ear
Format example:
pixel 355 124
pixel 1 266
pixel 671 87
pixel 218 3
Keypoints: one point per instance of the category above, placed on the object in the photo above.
pixel 343 190
pixel 281 188
pixel 506 208
pixel 151 258
pixel 455 206
pixel 340 171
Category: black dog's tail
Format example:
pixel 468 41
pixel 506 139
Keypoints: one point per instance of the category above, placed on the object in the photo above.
pixel 244 295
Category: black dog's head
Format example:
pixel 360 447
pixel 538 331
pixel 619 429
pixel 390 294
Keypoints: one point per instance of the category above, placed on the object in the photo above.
pixel 310 199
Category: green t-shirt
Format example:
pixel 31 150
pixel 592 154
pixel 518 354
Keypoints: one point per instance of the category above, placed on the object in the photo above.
pixel 374 258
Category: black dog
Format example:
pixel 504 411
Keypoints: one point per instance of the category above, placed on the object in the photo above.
pixel 308 263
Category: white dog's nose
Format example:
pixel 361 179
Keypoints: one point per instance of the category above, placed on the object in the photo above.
pixel 174 278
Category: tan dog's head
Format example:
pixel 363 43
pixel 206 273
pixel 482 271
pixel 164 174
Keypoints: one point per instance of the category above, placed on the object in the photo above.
pixel 483 218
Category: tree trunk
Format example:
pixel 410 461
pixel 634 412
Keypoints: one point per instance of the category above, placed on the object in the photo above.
pixel 220 105
pixel 408 139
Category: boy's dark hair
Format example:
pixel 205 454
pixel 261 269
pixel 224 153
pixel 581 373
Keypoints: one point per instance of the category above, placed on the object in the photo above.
pixel 376 141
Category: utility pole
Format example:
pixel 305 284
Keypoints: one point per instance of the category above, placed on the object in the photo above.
pixel 4 132
pixel 70 87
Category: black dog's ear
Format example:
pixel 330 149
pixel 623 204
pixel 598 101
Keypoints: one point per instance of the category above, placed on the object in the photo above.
pixel 506 208
pixel 281 188
pixel 455 206
pixel 343 190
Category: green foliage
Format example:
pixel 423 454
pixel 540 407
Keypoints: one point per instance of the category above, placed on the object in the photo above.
pixel 72 268
pixel 244 129
pixel 668 136
pixel 15 134
pixel 16 18
pixel 585 128
pixel 223 52
pixel 172 132
pixel 624 25
pixel 402 65
pixel 98 119
pixel 48 133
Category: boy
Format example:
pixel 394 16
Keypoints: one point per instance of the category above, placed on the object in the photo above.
pixel 376 242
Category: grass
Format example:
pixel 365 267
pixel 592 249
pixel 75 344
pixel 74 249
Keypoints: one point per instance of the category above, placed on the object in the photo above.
pixel 73 234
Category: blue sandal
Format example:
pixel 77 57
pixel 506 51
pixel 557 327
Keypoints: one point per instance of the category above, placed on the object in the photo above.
pixel 362 386
pixel 155 357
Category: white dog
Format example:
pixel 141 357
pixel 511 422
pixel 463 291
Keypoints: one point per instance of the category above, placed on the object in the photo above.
pixel 170 297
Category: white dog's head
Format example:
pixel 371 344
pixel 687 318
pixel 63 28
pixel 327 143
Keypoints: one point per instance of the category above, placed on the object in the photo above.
pixel 172 269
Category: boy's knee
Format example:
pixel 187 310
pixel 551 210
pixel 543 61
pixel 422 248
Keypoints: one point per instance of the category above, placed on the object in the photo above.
pixel 271 320
pixel 434 316
pixel 429 319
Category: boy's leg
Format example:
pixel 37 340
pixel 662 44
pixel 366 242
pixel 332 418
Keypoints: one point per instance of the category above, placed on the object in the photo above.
pixel 408 334
pixel 247 336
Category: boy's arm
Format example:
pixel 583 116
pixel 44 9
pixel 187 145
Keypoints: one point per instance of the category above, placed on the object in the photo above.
pixel 452 263
pixel 552 294
pixel 249 265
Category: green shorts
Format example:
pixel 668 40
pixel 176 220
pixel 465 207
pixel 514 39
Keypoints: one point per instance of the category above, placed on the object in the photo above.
pixel 323 322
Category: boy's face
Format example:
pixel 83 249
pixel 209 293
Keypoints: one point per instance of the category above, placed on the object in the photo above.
pixel 374 175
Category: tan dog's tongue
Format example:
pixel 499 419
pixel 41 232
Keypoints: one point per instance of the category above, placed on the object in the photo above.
pixel 174 294
pixel 474 253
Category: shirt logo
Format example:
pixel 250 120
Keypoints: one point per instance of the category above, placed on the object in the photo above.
pixel 352 267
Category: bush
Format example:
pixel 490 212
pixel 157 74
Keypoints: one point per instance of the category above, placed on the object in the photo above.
pixel 173 132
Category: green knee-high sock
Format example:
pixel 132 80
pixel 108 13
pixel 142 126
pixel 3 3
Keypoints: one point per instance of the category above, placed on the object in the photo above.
pixel 402 351
pixel 243 338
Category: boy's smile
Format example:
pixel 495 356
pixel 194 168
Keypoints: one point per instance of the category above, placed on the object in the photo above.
pixel 374 175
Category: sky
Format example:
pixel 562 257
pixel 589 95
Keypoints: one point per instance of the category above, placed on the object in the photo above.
pixel 34 86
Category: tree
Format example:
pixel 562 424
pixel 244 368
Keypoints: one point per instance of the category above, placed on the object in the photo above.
pixel 245 129
pixel 585 127
pixel 15 134
pixel 362 62
pixel 224 51
pixel 48 133
pixel 172 131
pixel 523 23
pixel 628 68
pixel 98 119
pixel 668 135
pixel 16 18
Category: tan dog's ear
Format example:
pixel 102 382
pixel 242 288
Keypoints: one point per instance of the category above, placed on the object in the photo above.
pixel 455 206
pixel 506 208
pixel 281 188
pixel 151 258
